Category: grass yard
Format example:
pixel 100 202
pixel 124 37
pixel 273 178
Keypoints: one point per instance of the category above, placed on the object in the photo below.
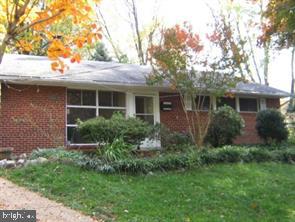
pixel 238 192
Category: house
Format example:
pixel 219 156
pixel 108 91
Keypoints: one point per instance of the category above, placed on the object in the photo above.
pixel 39 107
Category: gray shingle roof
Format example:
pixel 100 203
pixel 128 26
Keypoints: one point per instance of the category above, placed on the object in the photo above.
pixel 37 69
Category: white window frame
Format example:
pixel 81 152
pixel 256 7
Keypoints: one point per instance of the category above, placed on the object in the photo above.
pixel 97 107
pixel 146 114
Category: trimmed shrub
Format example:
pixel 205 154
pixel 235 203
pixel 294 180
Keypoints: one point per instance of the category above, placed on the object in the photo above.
pixel 271 126
pixel 225 126
pixel 106 131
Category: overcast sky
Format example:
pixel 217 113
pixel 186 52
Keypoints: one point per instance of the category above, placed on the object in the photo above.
pixel 173 12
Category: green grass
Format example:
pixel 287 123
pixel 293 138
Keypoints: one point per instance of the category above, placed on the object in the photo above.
pixel 239 192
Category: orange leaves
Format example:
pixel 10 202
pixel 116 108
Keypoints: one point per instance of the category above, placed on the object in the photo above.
pixel 44 27
pixel 182 37
pixel 76 58
pixel 24 46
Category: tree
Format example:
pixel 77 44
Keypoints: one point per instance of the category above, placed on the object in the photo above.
pixel 175 61
pixel 280 26
pixel 99 53
pixel 121 57
pixel 238 25
pixel 143 39
pixel 25 23
pixel 143 31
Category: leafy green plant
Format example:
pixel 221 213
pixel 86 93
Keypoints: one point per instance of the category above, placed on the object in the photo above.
pixel 271 126
pixel 60 154
pixel 225 126
pixel 171 141
pixel 115 151
pixel 106 131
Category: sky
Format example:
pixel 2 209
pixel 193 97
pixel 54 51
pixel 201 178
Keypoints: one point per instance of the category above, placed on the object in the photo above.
pixel 171 12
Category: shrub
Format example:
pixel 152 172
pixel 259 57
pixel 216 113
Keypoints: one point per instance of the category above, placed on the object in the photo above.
pixel 171 141
pixel 271 126
pixel 114 151
pixel 225 126
pixel 103 131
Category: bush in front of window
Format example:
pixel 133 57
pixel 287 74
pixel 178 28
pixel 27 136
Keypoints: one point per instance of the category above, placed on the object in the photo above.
pixel 226 124
pixel 105 131
pixel 271 126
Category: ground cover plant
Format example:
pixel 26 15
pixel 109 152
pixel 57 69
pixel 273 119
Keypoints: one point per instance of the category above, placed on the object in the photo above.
pixel 190 158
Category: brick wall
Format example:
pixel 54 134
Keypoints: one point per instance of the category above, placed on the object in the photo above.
pixel 176 119
pixel 32 117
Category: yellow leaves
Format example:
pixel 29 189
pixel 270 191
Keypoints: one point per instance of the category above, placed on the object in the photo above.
pixel 24 46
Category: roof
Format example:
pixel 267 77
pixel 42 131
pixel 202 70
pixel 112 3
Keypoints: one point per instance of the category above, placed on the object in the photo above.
pixel 37 70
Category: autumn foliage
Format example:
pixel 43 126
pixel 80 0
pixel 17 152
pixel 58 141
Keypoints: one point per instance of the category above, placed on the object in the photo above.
pixel 26 23
pixel 182 61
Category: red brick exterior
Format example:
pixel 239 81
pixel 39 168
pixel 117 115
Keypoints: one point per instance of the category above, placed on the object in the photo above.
pixel 32 117
pixel 273 103
pixel 176 120
pixel 35 117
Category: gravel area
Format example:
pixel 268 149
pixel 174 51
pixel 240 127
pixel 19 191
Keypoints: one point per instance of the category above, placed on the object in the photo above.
pixel 13 197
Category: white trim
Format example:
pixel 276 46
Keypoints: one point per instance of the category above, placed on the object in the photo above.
pixel 237 103
pixel 188 102
pixel 214 102
pixel 81 106
pixel 263 104
pixel 146 114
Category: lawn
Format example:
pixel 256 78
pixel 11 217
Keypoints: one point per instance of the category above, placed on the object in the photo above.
pixel 238 192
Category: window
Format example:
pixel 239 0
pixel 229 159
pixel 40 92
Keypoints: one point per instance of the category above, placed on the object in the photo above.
pixel 248 105
pixel 111 99
pixel 87 104
pixel 81 97
pixel 144 108
pixel 226 101
pixel 202 103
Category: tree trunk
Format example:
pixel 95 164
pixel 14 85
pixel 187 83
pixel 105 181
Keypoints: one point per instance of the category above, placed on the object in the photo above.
pixel 3 46
pixel 266 63
pixel 291 104
pixel 138 37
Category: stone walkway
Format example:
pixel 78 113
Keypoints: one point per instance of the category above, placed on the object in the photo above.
pixel 13 197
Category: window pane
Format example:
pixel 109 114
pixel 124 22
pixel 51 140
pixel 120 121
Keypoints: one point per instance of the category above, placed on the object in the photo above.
pixel 105 98
pixel 202 102
pixel 107 113
pixel 144 104
pixel 80 113
pixel 74 136
pixel 119 99
pixel 226 101
pixel 73 97
pixel 89 98
pixel 249 105
pixel 147 118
